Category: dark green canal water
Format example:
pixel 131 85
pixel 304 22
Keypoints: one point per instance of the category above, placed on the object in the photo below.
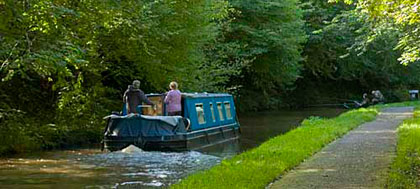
pixel 91 168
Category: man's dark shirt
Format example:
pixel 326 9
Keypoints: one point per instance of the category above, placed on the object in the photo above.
pixel 135 97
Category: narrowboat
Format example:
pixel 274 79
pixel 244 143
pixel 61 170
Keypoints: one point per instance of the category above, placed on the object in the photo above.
pixel 207 119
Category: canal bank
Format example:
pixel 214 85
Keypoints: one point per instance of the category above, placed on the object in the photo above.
pixel 258 167
pixel 405 169
pixel 360 159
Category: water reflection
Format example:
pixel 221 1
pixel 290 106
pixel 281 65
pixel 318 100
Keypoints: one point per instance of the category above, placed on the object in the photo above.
pixel 92 168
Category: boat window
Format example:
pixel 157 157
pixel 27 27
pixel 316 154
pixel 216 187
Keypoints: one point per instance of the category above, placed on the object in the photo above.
pixel 227 108
pixel 212 112
pixel 200 113
pixel 219 108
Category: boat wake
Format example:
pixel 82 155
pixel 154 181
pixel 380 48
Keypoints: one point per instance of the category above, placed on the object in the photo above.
pixel 132 149
pixel 135 168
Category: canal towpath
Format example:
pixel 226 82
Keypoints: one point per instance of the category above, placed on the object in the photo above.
pixel 359 159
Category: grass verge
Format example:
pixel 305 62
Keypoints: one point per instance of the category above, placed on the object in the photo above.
pixel 258 167
pixel 405 170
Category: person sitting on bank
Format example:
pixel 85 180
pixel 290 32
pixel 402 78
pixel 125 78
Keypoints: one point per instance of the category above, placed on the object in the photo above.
pixel 173 100
pixel 133 97
pixel 377 97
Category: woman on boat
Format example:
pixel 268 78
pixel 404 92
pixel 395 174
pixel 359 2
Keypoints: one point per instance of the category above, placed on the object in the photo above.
pixel 173 100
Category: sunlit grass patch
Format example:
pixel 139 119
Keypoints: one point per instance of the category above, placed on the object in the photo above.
pixel 405 170
pixel 258 167
pixel 399 104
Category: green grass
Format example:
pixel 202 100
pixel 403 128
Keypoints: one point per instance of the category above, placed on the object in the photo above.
pixel 405 170
pixel 258 167
pixel 398 104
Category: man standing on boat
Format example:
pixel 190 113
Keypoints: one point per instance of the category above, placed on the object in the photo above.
pixel 133 97
pixel 173 100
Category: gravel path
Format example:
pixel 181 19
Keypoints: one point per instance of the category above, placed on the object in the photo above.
pixel 359 159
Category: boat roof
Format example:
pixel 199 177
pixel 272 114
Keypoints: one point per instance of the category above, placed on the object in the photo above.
pixel 199 95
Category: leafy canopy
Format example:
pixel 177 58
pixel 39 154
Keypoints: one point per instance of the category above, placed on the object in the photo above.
pixel 405 14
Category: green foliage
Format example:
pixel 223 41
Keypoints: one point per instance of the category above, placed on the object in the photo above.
pixel 15 131
pixel 373 64
pixel 160 41
pixel 403 13
pixel 66 63
pixel 322 50
pixel 278 154
pixel 348 54
pixel 405 169
pixel 83 54
pixel 270 36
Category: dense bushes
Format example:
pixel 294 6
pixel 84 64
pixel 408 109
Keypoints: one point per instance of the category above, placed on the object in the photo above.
pixel 270 34
pixel 65 63
pixel 15 134
pixel 349 54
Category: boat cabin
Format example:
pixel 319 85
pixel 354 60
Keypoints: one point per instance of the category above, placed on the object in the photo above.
pixel 204 110
pixel 207 119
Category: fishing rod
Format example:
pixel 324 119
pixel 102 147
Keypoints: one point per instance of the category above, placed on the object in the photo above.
pixel 345 105
pixel 341 99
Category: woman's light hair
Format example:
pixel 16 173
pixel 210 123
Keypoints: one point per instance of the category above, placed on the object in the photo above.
pixel 173 85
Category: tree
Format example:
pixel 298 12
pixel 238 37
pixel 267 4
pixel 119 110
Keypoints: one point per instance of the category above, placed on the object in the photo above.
pixel 269 35
pixel 403 13
pixel 84 53
pixel 344 60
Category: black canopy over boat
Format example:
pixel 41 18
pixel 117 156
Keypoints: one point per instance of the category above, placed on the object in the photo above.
pixel 208 119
